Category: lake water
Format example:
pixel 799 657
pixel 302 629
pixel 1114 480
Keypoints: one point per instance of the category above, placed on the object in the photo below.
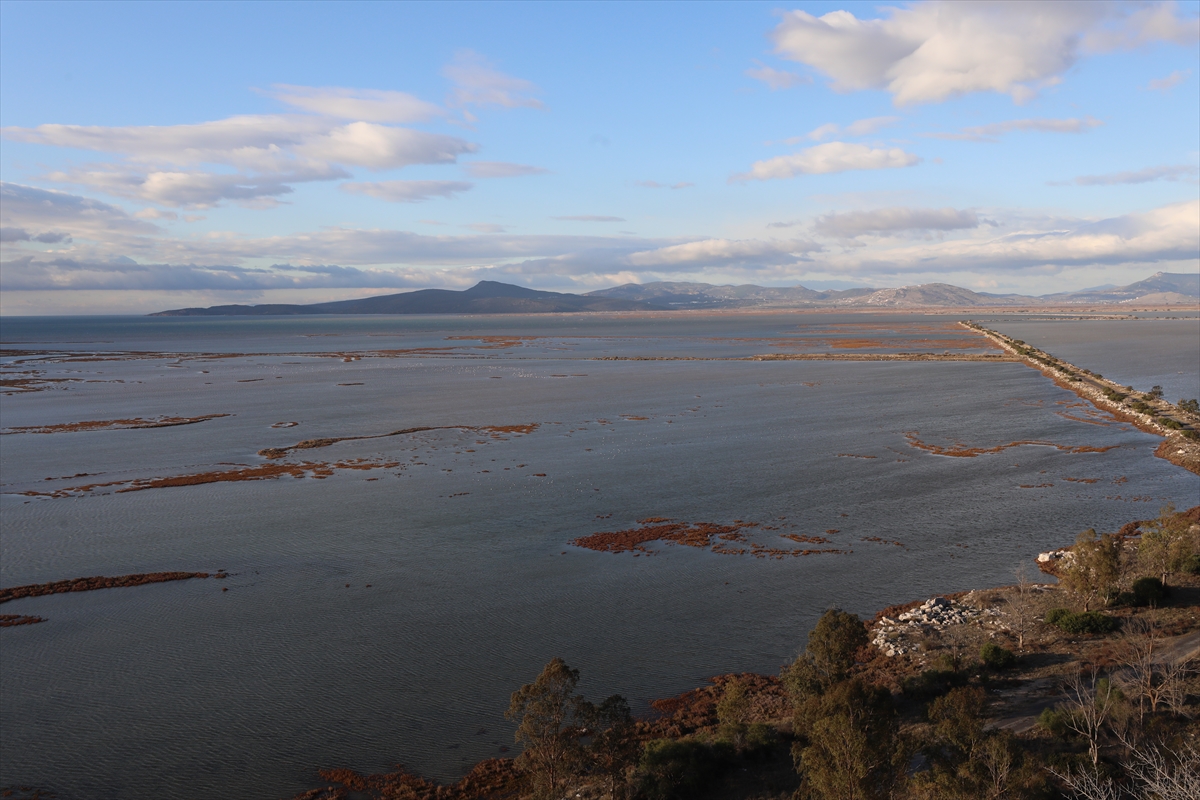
pixel 1135 352
pixel 182 690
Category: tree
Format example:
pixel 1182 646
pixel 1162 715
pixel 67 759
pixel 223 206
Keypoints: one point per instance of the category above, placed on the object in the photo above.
pixel 1166 544
pixel 829 654
pixel 1095 566
pixel 1022 609
pixel 969 761
pixel 733 712
pixel 850 746
pixel 549 729
pixel 1091 705
pixel 614 748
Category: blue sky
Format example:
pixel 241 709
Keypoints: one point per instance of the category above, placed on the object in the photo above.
pixel 186 154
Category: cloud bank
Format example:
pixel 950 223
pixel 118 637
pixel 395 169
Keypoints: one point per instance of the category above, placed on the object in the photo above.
pixel 930 52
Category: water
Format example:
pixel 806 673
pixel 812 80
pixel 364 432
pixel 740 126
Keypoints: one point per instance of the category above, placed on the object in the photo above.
pixel 182 690
pixel 1135 352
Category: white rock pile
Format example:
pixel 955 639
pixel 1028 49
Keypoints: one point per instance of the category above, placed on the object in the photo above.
pixel 1064 556
pixel 933 614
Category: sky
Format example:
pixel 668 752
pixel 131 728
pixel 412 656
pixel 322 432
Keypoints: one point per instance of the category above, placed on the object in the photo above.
pixel 159 155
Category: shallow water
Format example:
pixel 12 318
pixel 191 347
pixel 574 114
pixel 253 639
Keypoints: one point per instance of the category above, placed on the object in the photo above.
pixel 182 690
pixel 1135 352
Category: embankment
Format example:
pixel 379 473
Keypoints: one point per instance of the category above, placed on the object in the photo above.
pixel 1180 429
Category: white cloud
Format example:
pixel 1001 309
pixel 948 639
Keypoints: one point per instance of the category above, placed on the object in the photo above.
pixel 1174 79
pixel 863 127
pixel 380 147
pixel 931 51
pixel 267 154
pixel 1168 233
pixel 478 83
pixel 992 131
pixel 827 158
pixel 101 247
pixel 35 209
pixel 486 227
pixel 155 213
pixel 408 191
pixel 714 252
pixel 369 105
pixel 776 78
pixel 590 218
pixel 894 220
pixel 501 169
pixel 1163 173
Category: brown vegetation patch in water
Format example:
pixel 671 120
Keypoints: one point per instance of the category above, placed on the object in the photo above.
pixel 981 343
pixel 801 538
pixel 496 429
pixel 729 539
pixel 12 620
pixel 96 582
pixel 313 469
pixel 133 423
pixel 960 450
pixel 311 444
pixel 491 779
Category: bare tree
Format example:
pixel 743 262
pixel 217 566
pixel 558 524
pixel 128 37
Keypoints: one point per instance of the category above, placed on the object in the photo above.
pixel 1139 677
pixel 1146 677
pixel 1175 691
pixel 1086 785
pixel 1166 774
pixel 1090 706
pixel 1022 610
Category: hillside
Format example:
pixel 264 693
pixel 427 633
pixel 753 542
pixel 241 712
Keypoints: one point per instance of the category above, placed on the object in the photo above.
pixel 492 297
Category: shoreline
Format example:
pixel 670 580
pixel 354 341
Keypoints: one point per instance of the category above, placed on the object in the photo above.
pixel 909 645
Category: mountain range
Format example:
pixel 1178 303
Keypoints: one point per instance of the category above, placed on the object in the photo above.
pixel 492 297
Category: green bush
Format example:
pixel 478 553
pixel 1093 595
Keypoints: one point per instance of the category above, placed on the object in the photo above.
pixel 1055 614
pixel 1193 435
pixel 996 657
pixel 1190 405
pixel 1172 424
pixel 1083 622
pixel 1148 591
pixel 1053 721
pixel 1192 565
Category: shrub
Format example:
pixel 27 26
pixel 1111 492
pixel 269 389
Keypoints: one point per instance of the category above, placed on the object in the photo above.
pixel 996 657
pixel 933 683
pixel 1053 721
pixel 1172 424
pixel 1190 405
pixel 1193 435
pixel 1192 565
pixel 1148 591
pixel 1083 622
pixel 681 768
pixel 1055 614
